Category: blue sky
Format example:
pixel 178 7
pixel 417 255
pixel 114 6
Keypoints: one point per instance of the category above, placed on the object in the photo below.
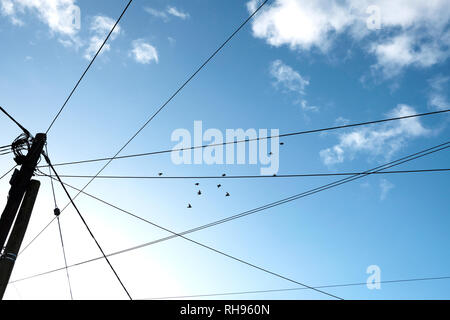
pixel 296 66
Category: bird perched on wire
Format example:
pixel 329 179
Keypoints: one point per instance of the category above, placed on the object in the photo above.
pixel 160 174
pixel 227 194
pixel 197 184
pixel 224 175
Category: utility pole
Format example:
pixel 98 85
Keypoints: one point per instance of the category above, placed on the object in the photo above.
pixel 20 183
pixel 11 251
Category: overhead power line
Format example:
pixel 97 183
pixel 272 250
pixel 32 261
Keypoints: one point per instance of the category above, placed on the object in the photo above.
pixel 4 175
pixel 65 260
pixel 5 150
pixel 211 249
pixel 56 211
pixel 88 67
pixel 250 140
pixel 36 236
pixel 397 162
pixel 16 122
pixel 298 289
pixel 170 99
pixel 161 108
pixel 87 227
pixel 304 175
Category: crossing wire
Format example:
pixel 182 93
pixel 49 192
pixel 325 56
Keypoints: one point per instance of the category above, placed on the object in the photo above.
pixel 154 115
pixel 253 176
pixel 65 260
pixel 169 100
pixel 88 67
pixel 87 227
pixel 253 139
pixel 59 228
pixel 298 289
pixel 197 243
pixel 4 175
pixel 397 162
pixel 240 141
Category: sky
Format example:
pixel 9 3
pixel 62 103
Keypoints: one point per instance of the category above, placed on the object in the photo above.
pixel 297 65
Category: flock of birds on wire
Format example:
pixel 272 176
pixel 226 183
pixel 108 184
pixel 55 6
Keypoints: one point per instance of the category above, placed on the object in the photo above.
pixel 197 184
pixel 4 150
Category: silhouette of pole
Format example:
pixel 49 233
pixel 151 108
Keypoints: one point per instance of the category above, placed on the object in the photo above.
pixel 11 251
pixel 22 187
pixel 19 184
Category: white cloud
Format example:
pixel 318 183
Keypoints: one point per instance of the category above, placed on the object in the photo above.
pixel 396 53
pixel 290 80
pixel 157 13
pixel 177 13
pixel 57 14
pixel 17 22
pixel 299 24
pixel 61 16
pixel 288 77
pixel 7 7
pixel 385 187
pixel 380 140
pixel 165 14
pixel 99 29
pixel 143 52
pixel 415 32
pixel 437 97
pixel 341 121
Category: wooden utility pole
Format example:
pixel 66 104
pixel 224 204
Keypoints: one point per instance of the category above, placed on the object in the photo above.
pixel 20 183
pixel 11 251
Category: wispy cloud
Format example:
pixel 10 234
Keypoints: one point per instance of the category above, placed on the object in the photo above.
pixel 165 15
pixel 157 13
pixel 177 13
pixel 172 41
pixel 99 29
pixel 143 52
pixel 290 80
pixel 58 15
pixel 385 187
pixel 382 140
pixel 437 98
pixel 416 32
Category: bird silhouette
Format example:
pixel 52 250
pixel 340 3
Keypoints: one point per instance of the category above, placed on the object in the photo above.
pixel 227 194
pixel 189 206
pixel 224 175
pixel 197 184
pixel 199 192
pixel 270 153
pixel 219 185
pixel 281 143
pixel 160 174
